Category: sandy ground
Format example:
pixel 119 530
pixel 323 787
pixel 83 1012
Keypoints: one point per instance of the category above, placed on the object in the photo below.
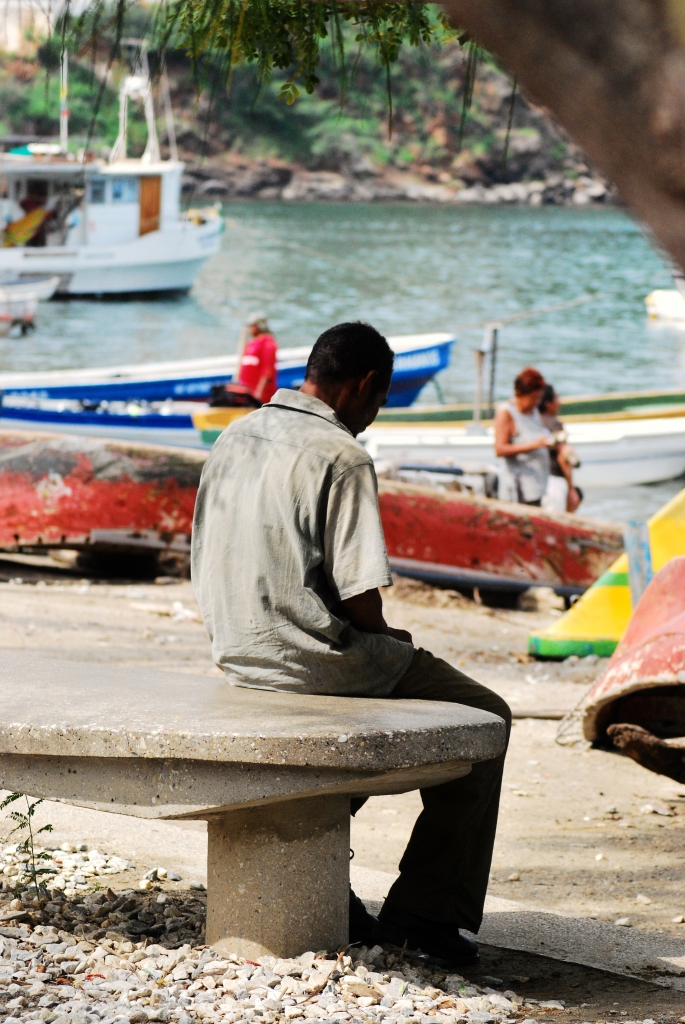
pixel 573 836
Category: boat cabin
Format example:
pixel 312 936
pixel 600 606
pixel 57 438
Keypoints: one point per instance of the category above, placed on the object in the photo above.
pixel 52 201
pixel 103 227
pixel 48 198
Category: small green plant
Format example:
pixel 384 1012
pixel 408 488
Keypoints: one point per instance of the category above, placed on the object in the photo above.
pixel 23 823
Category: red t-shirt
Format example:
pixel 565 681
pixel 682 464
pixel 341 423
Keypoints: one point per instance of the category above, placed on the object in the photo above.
pixel 259 360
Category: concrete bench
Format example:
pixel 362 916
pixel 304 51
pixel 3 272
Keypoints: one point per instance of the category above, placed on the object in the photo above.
pixel 271 772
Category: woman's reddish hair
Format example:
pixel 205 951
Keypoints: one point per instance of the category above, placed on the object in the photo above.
pixel 528 381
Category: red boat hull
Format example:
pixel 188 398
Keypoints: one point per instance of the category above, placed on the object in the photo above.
pixel 485 542
pixel 76 492
pixel 61 491
pixel 644 682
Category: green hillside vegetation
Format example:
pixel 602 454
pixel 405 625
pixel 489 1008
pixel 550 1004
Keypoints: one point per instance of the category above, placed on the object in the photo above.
pixel 321 132
pixel 345 120
pixel 29 103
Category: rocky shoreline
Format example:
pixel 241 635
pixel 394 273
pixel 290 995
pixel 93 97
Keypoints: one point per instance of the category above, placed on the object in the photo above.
pixel 274 180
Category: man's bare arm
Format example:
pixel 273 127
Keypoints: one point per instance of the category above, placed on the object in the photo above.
pixel 365 612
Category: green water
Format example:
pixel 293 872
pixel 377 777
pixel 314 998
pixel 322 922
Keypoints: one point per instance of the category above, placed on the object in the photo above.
pixel 411 269
pixel 405 269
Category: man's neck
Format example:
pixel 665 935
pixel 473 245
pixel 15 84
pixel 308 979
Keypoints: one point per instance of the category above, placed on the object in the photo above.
pixel 329 394
pixel 354 401
pixel 338 398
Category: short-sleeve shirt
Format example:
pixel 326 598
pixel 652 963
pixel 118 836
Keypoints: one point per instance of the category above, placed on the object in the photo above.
pixel 259 360
pixel 286 527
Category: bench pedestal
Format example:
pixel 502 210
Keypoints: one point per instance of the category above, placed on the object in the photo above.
pixel 278 877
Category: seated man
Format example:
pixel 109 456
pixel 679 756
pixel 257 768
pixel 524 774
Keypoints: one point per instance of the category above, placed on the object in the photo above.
pixel 288 556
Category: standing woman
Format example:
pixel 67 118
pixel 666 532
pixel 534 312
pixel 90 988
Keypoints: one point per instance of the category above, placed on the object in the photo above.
pixel 258 359
pixel 523 442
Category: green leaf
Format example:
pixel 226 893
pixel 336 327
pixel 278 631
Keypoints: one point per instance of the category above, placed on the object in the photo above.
pixel 10 800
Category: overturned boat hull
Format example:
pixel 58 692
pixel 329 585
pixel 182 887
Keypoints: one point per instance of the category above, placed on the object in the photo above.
pixel 455 539
pixel 86 493
pixel 90 493
pixel 644 682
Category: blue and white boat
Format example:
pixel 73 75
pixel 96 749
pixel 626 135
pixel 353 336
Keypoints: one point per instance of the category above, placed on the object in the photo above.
pixel 153 402
pixel 172 425
pixel 418 357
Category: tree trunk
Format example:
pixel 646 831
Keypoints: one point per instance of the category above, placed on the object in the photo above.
pixel 613 73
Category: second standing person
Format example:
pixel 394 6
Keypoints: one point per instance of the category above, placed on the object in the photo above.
pixel 561 495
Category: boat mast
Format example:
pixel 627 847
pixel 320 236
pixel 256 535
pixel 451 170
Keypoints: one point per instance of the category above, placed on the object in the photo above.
pixel 63 108
pixel 169 116
pixel 137 86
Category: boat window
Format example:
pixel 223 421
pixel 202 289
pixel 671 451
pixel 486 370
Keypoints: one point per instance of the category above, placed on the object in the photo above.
pixel 96 190
pixel 125 190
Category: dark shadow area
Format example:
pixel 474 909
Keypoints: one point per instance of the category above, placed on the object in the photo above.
pixel 166 295
pixel 96 566
pixel 32 568
pixel 658 709
pixel 540 977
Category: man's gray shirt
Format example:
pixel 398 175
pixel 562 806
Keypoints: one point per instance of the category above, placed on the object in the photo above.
pixel 286 527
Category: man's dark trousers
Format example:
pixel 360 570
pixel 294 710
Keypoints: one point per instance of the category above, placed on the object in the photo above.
pixel 445 869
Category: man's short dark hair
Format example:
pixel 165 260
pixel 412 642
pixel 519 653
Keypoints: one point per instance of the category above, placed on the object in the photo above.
pixel 349 351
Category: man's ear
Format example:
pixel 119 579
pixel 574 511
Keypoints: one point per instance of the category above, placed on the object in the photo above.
pixel 367 385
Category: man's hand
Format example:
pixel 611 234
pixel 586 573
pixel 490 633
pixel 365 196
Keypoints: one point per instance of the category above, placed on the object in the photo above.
pixel 365 612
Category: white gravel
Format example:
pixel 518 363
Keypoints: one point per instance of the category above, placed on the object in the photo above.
pixel 91 955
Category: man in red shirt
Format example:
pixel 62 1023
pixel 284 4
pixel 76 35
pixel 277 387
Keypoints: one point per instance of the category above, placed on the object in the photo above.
pixel 258 362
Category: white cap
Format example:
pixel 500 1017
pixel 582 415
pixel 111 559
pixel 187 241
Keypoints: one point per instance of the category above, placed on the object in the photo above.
pixel 258 320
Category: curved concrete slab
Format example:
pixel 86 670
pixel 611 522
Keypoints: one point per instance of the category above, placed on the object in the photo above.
pixel 68 708
pixel 272 772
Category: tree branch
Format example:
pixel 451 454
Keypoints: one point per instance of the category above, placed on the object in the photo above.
pixel 613 73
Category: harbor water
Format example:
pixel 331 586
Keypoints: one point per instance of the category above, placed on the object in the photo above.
pixel 407 269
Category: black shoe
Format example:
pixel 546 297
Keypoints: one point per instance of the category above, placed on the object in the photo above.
pixel 363 925
pixel 443 941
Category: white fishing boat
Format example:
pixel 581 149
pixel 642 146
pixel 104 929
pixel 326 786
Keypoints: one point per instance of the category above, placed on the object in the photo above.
pixel 19 300
pixel 103 227
pixel 612 452
pixel 666 304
